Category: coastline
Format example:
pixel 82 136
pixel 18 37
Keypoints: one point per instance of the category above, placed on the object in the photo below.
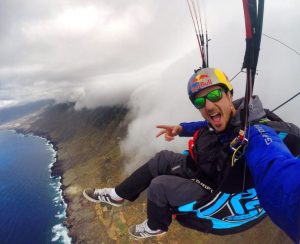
pixel 60 230
pixel 85 146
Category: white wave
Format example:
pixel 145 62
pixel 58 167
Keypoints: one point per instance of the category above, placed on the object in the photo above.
pixel 60 231
pixel 57 199
pixel 60 234
pixel 60 215
pixel 53 154
pixel 55 184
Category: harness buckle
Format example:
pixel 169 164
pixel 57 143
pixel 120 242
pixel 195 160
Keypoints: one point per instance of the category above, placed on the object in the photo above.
pixel 237 145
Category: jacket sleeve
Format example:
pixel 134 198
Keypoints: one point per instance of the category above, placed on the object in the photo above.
pixel 276 175
pixel 189 128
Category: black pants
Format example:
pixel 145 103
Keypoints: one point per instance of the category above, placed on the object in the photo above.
pixel 168 179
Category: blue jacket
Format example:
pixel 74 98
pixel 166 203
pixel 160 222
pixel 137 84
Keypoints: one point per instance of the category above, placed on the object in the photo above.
pixel 276 175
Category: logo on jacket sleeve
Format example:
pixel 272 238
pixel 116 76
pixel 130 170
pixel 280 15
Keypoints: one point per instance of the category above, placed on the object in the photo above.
pixel 268 140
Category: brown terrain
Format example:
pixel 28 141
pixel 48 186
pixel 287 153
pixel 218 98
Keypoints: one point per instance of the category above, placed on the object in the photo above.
pixel 89 155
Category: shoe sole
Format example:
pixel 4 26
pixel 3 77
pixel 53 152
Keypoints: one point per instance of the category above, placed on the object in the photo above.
pixel 98 201
pixel 144 237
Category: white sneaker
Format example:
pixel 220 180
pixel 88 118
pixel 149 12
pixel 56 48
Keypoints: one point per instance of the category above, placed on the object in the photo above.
pixel 142 230
pixel 101 195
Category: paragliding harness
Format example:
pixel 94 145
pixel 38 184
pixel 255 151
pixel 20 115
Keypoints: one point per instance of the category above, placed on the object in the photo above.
pixel 228 210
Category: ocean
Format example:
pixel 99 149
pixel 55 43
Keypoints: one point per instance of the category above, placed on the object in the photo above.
pixel 31 205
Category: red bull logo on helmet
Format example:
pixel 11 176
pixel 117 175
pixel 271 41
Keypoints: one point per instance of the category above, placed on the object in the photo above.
pixel 199 78
pixel 200 81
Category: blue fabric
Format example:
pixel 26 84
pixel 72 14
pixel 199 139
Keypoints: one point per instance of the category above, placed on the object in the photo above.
pixel 187 207
pixel 189 128
pixel 238 210
pixel 276 174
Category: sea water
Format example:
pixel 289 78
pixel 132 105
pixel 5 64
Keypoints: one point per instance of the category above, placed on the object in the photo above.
pixel 31 205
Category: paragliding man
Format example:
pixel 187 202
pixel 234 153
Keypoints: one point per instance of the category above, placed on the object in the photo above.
pixel 211 189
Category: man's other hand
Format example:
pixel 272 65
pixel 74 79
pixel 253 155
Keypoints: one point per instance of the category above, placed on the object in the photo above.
pixel 170 131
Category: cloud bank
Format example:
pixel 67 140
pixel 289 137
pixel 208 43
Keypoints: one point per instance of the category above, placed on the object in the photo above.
pixel 139 54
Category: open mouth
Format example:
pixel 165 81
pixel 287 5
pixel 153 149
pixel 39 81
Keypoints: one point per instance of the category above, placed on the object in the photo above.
pixel 216 118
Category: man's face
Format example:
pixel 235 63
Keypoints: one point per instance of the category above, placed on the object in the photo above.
pixel 217 113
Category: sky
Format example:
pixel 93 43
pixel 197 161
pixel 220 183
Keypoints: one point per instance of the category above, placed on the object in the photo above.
pixel 140 54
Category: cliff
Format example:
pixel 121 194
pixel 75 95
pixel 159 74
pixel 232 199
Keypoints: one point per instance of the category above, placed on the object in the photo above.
pixel 89 155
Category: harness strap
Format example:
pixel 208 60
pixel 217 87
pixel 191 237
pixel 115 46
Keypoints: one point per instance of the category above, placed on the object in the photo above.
pixel 192 143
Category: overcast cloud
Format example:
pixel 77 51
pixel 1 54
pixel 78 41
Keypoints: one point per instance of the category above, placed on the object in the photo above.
pixel 141 53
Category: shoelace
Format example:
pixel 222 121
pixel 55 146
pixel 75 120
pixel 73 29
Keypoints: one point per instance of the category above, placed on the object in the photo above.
pixel 101 192
pixel 141 227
